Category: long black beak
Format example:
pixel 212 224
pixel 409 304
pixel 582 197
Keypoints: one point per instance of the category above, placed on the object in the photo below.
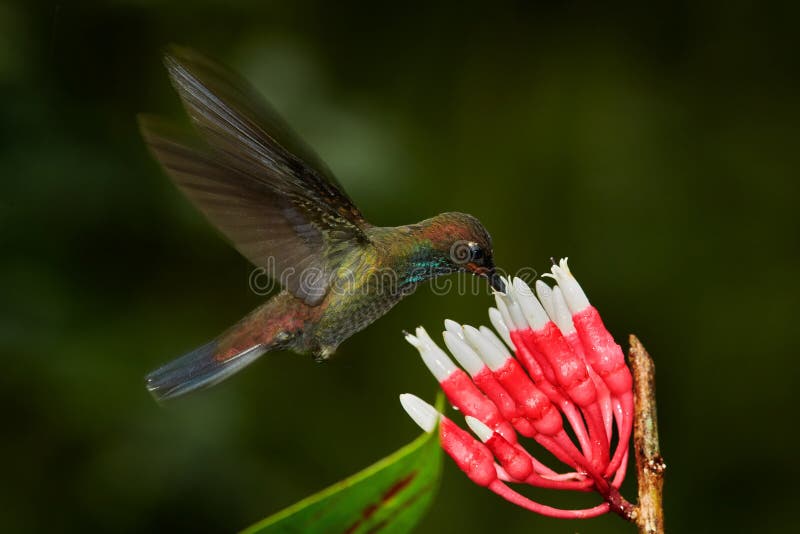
pixel 488 271
pixel 496 281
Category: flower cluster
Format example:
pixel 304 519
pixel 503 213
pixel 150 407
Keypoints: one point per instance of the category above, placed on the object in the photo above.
pixel 553 364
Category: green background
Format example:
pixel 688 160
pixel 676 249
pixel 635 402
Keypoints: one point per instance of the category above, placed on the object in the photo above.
pixel 655 146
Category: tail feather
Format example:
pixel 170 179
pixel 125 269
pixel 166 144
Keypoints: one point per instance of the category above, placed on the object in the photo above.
pixel 198 369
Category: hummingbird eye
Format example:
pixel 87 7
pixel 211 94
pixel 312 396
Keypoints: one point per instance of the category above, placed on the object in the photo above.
pixel 476 253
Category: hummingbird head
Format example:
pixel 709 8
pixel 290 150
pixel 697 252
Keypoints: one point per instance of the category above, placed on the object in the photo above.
pixel 462 243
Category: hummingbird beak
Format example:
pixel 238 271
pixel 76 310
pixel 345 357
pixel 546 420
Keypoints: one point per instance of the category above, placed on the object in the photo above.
pixel 488 272
pixel 496 281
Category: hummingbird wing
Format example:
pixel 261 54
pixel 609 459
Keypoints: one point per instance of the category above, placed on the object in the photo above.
pixel 254 179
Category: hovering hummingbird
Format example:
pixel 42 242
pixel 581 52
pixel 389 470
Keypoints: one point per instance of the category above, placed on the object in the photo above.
pixel 281 208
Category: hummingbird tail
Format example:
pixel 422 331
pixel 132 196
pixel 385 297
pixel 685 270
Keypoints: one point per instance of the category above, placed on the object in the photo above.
pixel 198 369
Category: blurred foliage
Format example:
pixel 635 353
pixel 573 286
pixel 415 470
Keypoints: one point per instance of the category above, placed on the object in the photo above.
pixel 390 496
pixel 656 145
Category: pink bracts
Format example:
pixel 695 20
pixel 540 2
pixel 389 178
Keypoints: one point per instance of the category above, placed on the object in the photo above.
pixel 555 367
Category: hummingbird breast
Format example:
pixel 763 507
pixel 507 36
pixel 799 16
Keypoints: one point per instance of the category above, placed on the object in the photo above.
pixel 364 289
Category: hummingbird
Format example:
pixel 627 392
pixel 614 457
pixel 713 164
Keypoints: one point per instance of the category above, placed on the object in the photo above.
pixel 280 206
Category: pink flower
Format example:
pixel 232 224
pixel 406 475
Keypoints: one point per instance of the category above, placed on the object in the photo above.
pixel 556 365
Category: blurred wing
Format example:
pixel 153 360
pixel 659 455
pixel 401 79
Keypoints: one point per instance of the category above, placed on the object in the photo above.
pixel 251 177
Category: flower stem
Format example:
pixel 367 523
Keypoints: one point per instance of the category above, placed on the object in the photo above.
pixel 650 465
pixel 619 505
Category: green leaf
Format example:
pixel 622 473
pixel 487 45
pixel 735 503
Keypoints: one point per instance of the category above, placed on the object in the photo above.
pixel 390 496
